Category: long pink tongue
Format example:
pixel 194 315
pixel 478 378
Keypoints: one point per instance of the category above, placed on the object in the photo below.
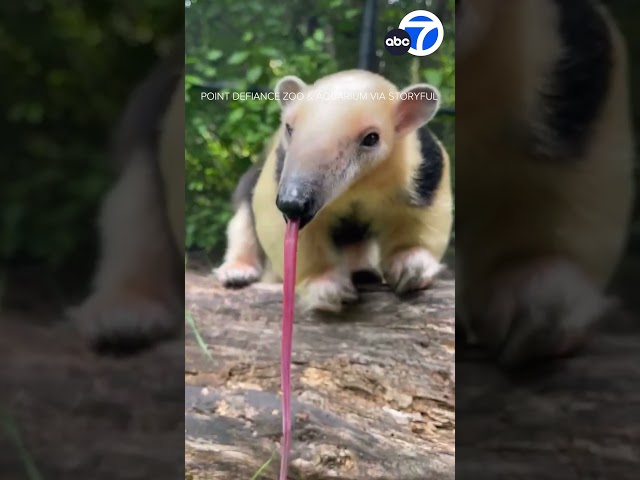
pixel 288 301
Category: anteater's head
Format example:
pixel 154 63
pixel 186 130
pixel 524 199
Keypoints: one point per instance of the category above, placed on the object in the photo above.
pixel 339 129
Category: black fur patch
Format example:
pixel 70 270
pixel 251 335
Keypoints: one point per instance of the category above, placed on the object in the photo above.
pixel 244 193
pixel 280 154
pixel 580 80
pixel 246 185
pixel 350 230
pixel 429 174
pixel 365 277
pixel 141 121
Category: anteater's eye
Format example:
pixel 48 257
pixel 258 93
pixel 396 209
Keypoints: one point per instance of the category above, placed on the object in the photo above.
pixel 370 140
pixel 289 129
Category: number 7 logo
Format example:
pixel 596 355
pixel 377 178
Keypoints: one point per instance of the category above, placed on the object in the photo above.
pixel 425 30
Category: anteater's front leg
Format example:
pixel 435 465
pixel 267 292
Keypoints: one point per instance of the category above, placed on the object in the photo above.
pixel 324 282
pixel 243 263
pixel 412 244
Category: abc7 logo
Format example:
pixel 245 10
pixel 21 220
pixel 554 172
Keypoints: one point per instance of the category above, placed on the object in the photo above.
pixel 397 41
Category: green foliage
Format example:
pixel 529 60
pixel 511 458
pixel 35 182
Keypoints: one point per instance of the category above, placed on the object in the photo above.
pixel 254 43
pixel 67 69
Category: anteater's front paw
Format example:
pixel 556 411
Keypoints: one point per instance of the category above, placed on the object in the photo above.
pixel 543 310
pixel 125 323
pixel 327 292
pixel 410 270
pixel 237 274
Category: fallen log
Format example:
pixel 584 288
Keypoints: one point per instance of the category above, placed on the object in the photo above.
pixel 373 390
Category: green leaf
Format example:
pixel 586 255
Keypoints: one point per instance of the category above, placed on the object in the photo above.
pixel 193 80
pixel 434 77
pixel 352 13
pixel 235 116
pixel 214 54
pixel 238 57
pixel 269 52
pixel 254 74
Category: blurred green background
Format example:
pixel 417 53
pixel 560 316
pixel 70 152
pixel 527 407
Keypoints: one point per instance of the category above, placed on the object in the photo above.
pixel 241 45
pixel 67 68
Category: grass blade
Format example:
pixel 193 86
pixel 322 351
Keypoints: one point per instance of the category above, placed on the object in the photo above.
pixel 13 433
pixel 196 333
pixel 262 469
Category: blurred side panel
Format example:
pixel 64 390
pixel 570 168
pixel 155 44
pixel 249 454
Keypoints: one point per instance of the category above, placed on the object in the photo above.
pixel 548 329
pixel 91 267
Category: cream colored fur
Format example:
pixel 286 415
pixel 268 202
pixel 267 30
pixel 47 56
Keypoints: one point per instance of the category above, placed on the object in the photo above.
pixel 133 294
pixel 172 148
pixel 135 298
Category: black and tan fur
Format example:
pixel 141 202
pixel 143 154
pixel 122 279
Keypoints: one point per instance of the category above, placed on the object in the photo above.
pixel 384 208
pixel 137 295
pixel 543 174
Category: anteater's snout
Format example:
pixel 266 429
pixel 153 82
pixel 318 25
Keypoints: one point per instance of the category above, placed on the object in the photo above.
pixel 296 203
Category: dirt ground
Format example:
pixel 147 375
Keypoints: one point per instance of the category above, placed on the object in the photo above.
pixel 79 415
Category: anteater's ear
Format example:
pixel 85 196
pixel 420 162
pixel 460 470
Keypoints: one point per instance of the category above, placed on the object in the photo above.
pixel 416 105
pixel 287 88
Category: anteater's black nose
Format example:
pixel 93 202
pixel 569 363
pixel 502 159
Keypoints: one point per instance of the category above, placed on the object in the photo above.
pixel 293 203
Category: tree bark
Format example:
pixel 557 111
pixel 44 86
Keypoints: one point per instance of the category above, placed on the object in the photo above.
pixel 373 390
